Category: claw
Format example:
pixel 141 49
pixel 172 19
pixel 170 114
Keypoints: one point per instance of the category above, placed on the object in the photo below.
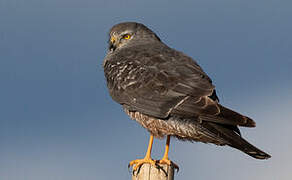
pixel 137 164
pixel 169 162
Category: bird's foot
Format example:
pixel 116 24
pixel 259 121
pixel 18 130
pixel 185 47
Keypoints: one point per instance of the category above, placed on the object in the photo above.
pixel 139 162
pixel 168 162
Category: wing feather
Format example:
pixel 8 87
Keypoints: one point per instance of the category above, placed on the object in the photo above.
pixel 166 83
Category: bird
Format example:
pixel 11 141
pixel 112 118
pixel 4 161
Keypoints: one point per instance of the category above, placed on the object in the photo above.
pixel 168 93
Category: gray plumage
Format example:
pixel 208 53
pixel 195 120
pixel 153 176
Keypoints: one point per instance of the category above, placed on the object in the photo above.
pixel 167 92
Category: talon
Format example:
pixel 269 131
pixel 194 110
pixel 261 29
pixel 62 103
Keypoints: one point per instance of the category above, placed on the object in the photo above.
pixel 139 162
pixel 168 162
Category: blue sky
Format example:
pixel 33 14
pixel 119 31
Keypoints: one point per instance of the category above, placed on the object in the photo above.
pixel 57 120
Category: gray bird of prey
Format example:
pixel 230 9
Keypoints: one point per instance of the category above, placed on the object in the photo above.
pixel 168 93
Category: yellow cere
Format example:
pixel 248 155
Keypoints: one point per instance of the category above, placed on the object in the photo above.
pixel 113 39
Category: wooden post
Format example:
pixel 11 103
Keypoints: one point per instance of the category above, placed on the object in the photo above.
pixel 150 172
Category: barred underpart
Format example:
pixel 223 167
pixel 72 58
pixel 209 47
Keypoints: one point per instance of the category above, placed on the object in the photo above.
pixel 183 129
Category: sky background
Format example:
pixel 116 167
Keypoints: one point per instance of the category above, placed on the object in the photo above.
pixel 58 122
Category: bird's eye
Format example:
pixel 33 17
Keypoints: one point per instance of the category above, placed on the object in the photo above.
pixel 127 36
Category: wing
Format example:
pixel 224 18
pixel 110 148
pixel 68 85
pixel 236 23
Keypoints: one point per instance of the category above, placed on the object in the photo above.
pixel 162 83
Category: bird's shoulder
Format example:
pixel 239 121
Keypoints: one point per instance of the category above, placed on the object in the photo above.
pixel 158 58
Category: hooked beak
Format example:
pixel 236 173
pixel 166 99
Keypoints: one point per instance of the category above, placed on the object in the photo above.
pixel 112 44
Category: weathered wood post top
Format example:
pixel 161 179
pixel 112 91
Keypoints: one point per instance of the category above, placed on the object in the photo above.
pixel 150 172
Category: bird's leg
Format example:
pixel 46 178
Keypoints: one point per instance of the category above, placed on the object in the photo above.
pixel 165 159
pixel 146 159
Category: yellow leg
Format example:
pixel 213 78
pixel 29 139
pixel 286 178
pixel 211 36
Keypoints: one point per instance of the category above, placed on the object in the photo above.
pixel 165 159
pixel 146 159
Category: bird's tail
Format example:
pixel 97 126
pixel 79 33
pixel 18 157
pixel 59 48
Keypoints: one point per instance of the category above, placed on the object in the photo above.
pixel 244 146
pixel 236 141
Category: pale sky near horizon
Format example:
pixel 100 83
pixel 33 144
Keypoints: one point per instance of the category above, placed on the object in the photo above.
pixel 58 122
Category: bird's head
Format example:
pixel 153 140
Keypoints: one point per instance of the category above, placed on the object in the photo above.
pixel 128 34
